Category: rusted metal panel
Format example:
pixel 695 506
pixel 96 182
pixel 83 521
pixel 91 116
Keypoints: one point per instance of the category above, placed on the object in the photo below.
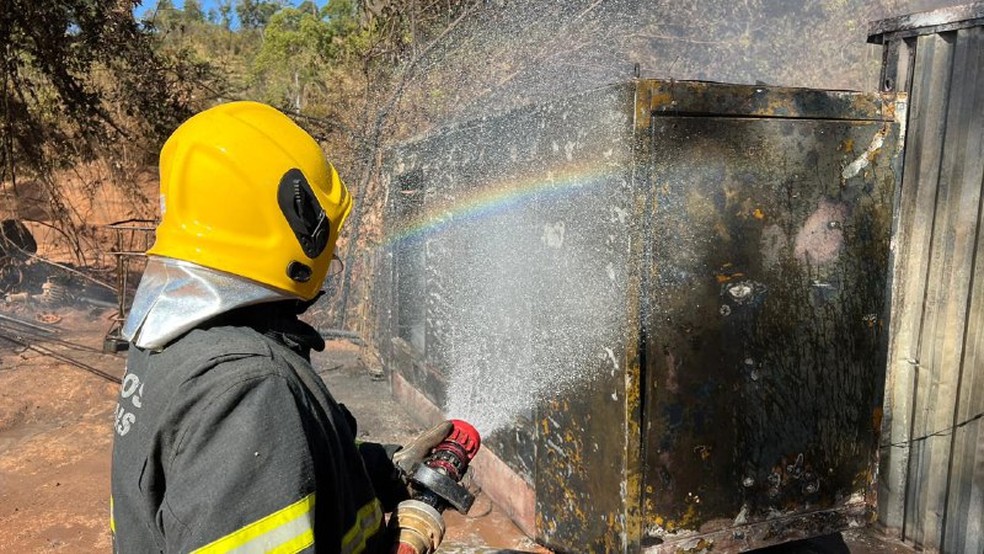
pixel 932 464
pixel 596 274
pixel 515 261
pixel 584 450
pixel 689 97
pixel 766 342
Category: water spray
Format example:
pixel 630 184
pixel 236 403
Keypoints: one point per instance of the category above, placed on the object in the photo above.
pixel 417 523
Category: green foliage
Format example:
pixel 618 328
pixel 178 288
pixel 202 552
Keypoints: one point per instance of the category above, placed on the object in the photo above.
pixel 225 13
pixel 79 75
pixel 193 11
pixel 254 14
pixel 295 56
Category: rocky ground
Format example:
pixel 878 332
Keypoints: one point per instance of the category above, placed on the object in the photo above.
pixel 55 442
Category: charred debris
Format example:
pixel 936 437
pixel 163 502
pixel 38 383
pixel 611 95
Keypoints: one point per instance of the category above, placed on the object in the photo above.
pixel 37 294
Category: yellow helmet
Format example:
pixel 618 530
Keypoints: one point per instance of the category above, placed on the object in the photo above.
pixel 246 191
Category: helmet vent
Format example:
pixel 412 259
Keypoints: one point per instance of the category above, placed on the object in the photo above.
pixel 304 214
pixel 299 272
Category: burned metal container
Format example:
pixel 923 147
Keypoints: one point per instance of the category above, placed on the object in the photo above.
pixel 662 303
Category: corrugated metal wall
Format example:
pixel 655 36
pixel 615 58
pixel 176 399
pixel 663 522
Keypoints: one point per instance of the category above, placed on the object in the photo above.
pixel 932 476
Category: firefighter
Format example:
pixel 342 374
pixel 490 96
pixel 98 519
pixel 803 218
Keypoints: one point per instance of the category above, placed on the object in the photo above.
pixel 225 438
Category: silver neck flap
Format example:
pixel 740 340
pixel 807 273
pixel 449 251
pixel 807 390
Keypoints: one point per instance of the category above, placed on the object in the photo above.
pixel 174 296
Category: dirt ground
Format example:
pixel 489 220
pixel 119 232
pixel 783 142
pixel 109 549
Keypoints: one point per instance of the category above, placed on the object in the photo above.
pixel 56 439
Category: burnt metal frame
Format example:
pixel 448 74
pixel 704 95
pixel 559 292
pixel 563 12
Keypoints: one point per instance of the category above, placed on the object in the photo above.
pixel 133 239
pixel 898 33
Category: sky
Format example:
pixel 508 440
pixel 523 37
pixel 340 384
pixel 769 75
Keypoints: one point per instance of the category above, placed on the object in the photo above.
pixel 146 7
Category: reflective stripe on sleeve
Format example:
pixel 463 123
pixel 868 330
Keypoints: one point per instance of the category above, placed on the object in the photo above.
pixel 367 522
pixel 112 516
pixel 288 530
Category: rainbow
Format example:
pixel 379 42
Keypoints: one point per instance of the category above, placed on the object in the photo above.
pixel 498 197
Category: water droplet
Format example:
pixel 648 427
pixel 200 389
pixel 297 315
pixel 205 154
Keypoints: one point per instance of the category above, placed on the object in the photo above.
pixel 740 291
pixel 775 479
pixel 744 292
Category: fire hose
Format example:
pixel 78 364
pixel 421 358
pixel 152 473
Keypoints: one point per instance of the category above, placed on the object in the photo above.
pixel 417 523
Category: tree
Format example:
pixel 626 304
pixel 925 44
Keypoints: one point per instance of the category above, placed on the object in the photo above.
pixel 193 11
pixel 307 6
pixel 225 13
pixel 165 6
pixel 311 61
pixel 296 53
pixel 80 80
pixel 254 14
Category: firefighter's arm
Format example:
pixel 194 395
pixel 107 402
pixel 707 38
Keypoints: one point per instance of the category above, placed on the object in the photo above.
pixel 241 474
pixel 387 481
pixel 390 465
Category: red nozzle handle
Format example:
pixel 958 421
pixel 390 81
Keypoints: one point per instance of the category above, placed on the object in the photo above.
pixel 463 434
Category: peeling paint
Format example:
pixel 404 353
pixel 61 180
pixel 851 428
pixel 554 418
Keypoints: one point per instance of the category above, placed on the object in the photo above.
pixel 611 356
pixel 862 161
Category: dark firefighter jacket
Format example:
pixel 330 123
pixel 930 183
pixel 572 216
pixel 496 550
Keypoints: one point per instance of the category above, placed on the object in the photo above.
pixel 227 441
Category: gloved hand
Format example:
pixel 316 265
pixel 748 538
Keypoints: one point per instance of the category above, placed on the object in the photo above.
pixel 390 466
pixel 408 457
